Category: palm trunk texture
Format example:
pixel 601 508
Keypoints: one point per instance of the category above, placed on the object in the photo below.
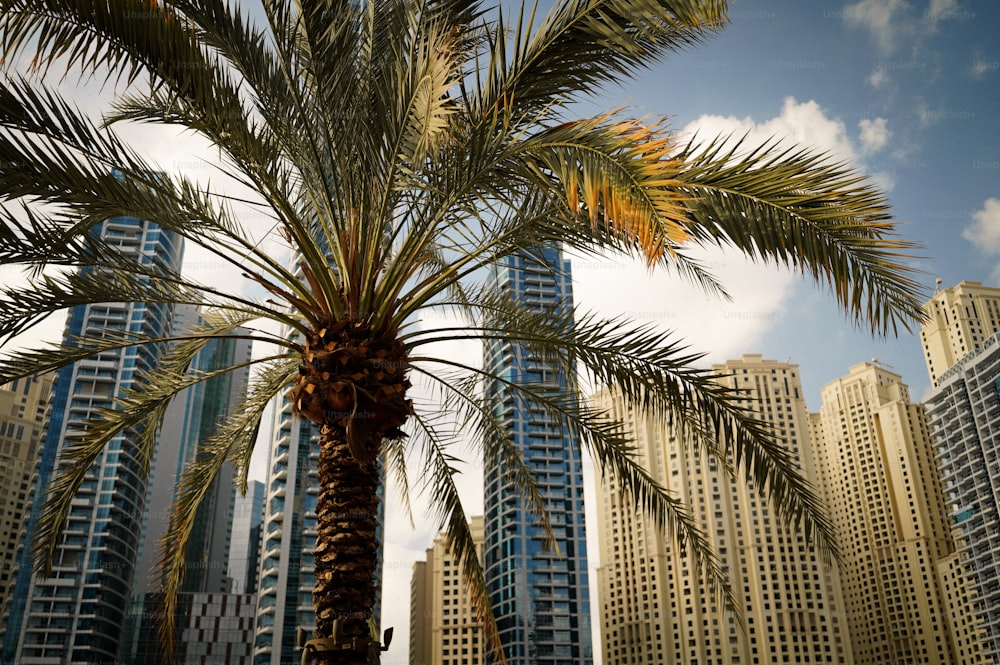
pixel 353 384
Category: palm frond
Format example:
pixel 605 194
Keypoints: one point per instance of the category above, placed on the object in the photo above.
pixel 489 435
pixel 615 454
pixel 136 417
pixel 448 505
pixel 394 454
pixel 582 44
pixel 658 373
pixel 805 211
pixel 618 174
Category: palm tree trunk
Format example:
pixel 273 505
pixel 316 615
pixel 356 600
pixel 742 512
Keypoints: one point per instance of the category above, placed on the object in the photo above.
pixel 352 382
pixel 346 548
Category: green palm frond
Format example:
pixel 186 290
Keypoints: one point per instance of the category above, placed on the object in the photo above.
pixel 616 174
pixel 394 453
pixel 658 374
pixel 138 412
pixel 614 453
pixel 805 211
pixel 399 150
pixel 490 437
pixel 583 44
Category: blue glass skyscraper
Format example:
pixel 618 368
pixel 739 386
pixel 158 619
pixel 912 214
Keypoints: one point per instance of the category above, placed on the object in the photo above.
pixel 540 596
pixel 76 614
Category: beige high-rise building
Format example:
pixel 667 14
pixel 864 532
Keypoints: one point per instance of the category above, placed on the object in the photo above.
pixel 959 319
pixel 654 607
pixel 23 406
pixel 883 490
pixel 444 629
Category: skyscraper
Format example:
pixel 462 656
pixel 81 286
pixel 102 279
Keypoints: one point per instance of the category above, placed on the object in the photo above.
pixel 964 415
pixel 539 596
pixel 244 552
pixel 23 409
pixel 958 320
pixel 192 417
pixel 284 593
pixel 883 493
pixel 76 614
pixel 444 628
pixel 655 608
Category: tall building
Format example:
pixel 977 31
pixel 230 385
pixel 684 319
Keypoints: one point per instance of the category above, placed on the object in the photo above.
pixel 882 488
pixel 23 409
pixel 959 319
pixel 444 628
pixel 76 614
pixel 191 419
pixel 964 414
pixel 217 629
pixel 540 596
pixel 244 552
pixel 287 573
pixel 654 605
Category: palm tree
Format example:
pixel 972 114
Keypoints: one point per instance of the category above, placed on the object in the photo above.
pixel 401 148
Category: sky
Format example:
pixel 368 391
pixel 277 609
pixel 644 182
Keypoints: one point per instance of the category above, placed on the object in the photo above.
pixel 904 91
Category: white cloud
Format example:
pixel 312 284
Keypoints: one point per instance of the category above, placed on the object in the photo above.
pixel 881 18
pixel 874 135
pixel 723 329
pixel 939 10
pixel 760 293
pixel 802 124
pixel 879 79
pixel 984 232
pixel 981 66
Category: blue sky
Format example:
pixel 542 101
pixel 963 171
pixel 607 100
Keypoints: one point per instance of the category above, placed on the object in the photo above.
pixel 907 92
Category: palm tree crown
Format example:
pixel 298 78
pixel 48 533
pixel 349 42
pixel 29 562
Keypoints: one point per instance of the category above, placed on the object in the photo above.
pixel 401 148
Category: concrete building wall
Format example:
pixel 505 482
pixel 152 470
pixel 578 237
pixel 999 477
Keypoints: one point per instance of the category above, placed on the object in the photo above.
pixel 655 607
pixel 23 412
pixel 444 627
pixel 959 319
pixel 883 490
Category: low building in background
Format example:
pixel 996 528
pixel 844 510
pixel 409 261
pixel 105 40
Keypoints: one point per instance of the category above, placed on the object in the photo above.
pixel 444 628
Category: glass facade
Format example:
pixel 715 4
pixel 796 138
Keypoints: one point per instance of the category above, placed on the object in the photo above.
pixel 540 595
pixel 77 613
pixel 284 590
pixel 964 416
